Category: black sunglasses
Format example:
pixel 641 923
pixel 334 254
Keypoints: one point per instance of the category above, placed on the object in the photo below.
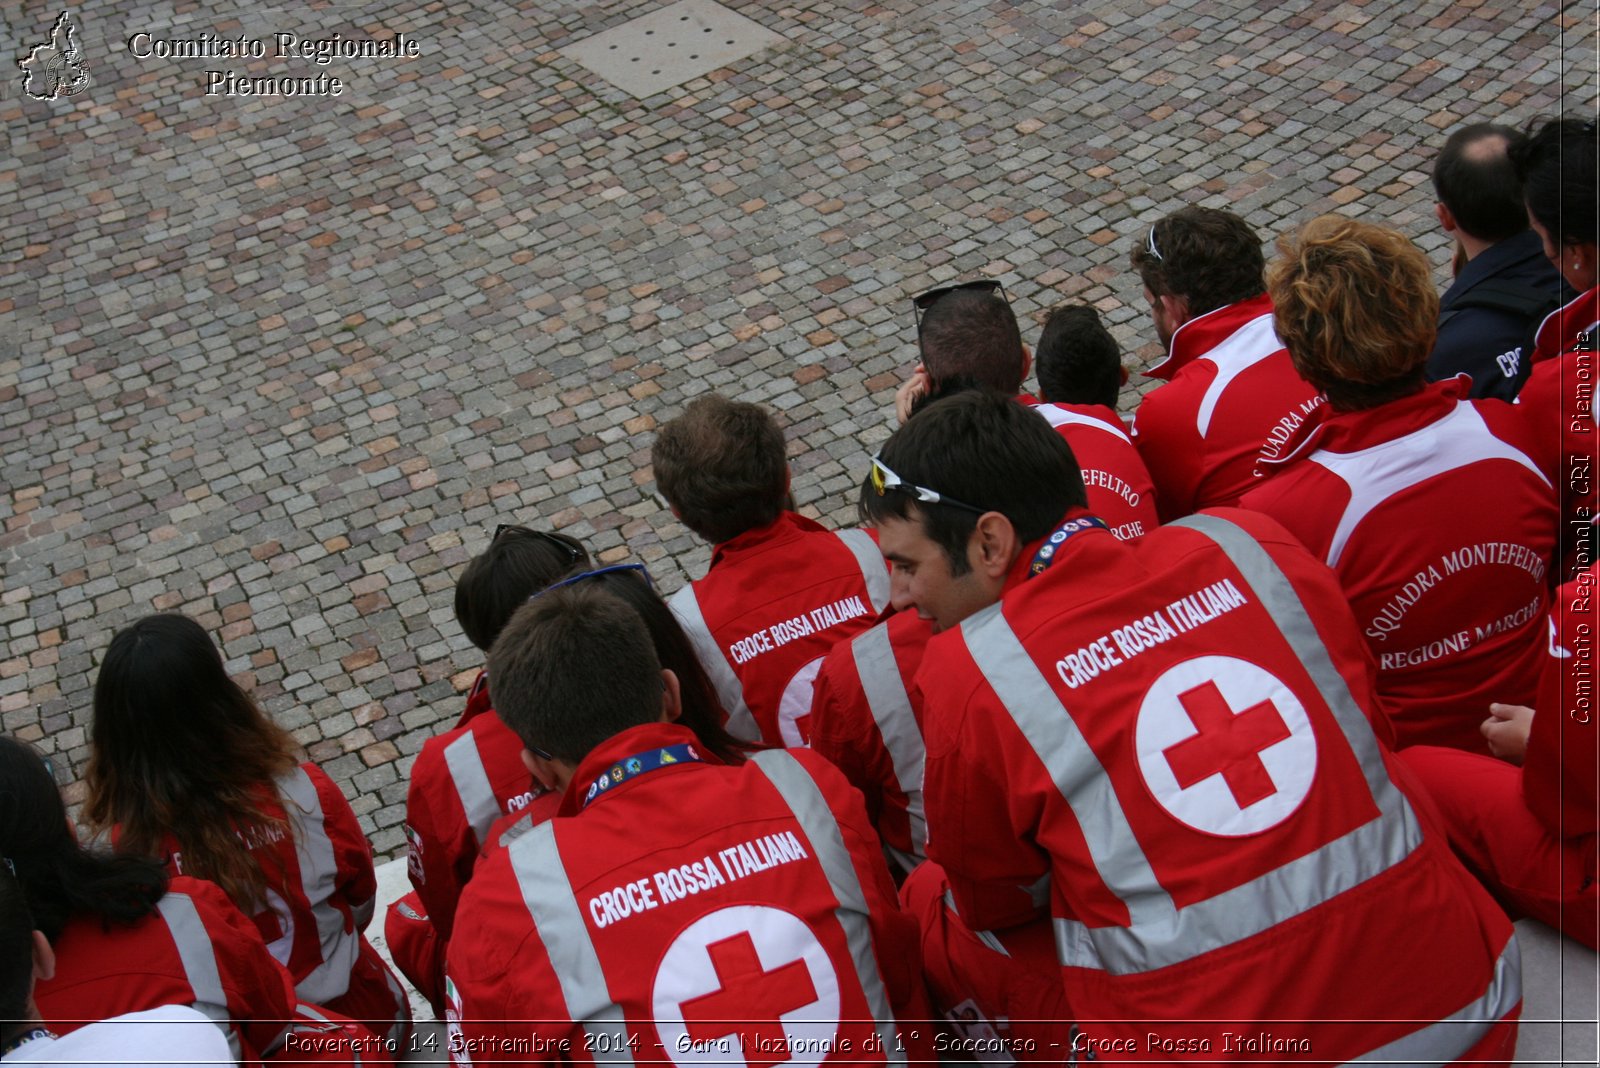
pixel 573 553
pixel 923 301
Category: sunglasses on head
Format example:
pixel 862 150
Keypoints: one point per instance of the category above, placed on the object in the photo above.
pixel 884 480
pixel 923 301
pixel 573 553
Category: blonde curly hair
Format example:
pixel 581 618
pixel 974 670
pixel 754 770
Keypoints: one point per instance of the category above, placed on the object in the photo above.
pixel 1356 307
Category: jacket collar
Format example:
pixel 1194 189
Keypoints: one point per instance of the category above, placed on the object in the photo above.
pixel 647 737
pixel 1354 431
pixel 1200 335
pixel 787 527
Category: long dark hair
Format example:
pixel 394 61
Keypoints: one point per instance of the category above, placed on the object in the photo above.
pixel 702 710
pixel 178 748
pixel 60 878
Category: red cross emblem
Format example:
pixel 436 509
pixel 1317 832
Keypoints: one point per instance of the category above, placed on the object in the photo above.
pixel 1228 744
pixel 1225 746
pixel 740 984
pixel 751 1001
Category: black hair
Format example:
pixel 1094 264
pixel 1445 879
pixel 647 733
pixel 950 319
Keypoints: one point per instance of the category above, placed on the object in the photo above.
pixel 16 956
pixel 702 709
pixel 517 564
pixel 60 878
pixel 972 335
pixel 574 667
pixel 1558 169
pixel 985 450
pixel 1078 360
pixel 1475 178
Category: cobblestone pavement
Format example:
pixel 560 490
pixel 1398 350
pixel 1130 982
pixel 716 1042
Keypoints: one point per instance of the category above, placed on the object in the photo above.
pixel 283 363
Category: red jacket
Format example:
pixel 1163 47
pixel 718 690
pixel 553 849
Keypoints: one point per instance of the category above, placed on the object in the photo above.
pixel 462 781
pixel 196 949
pixel 773 602
pixel 865 723
pixel 314 917
pixel 687 908
pixel 1117 483
pixel 1561 770
pixel 1558 401
pixel 1167 744
pixel 1440 527
pixel 1232 396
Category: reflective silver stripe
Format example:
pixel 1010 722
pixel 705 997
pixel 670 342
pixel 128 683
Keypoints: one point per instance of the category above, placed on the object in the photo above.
pixel 1277 595
pixel 547 893
pixel 199 962
pixel 870 560
pixel 891 709
pixel 1449 1040
pixel 310 1012
pixel 799 791
pixel 472 784
pixel 1159 934
pixel 741 722
pixel 319 879
pixel 988 938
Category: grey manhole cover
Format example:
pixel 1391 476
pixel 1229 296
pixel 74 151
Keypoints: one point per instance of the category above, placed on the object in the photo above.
pixel 670 46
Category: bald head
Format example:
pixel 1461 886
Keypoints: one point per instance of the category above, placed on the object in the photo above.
pixel 1476 182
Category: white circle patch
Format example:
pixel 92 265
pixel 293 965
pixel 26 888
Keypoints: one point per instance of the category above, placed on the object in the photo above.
pixel 1225 746
pixel 748 984
pixel 795 705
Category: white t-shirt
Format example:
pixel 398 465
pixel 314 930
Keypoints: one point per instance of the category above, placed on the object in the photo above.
pixel 157 1038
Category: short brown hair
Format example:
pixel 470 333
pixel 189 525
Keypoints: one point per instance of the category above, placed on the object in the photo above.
pixel 1355 306
pixel 721 465
pixel 1209 257
pixel 573 668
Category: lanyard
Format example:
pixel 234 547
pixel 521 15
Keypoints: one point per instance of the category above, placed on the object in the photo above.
pixel 640 764
pixel 24 1039
pixel 1052 545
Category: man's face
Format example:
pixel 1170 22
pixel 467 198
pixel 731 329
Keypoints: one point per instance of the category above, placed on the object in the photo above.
pixel 920 576
pixel 1165 327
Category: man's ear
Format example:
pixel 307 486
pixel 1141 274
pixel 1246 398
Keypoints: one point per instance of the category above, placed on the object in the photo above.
pixel 994 545
pixel 44 958
pixel 671 697
pixel 1446 218
pixel 1176 309
pixel 548 772
pixel 1027 361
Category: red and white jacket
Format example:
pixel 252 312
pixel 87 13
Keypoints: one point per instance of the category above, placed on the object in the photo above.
pixel 1440 526
pixel 462 781
pixel 1115 478
pixel 772 604
pixel 196 949
pixel 1558 400
pixel 1561 769
pixel 314 918
pixel 1232 397
pixel 1169 746
pixel 690 907
pixel 864 721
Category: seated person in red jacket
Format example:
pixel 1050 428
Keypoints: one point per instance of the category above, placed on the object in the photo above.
pixel 1164 751
pixel 1080 371
pixel 967 338
pixel 1429 506
pixel 185 767
pixel 676 906
pixel 1558 168
pixel 1231 394
pixel 125 937
pixel 781 589
pixel 1533 836
pixel 157 1036
pixel 468 777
